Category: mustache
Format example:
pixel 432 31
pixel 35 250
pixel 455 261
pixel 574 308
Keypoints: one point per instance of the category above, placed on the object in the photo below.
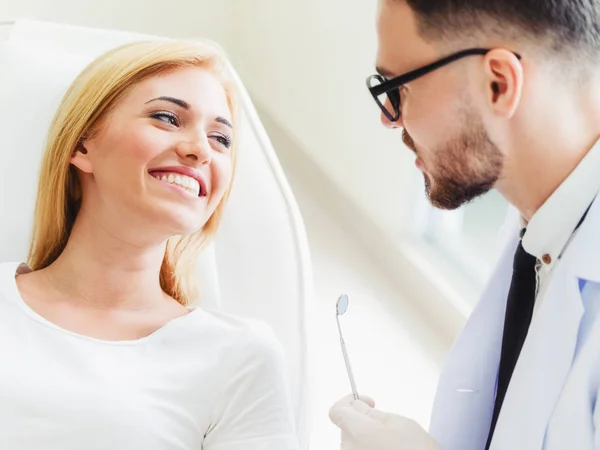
pixel 408 141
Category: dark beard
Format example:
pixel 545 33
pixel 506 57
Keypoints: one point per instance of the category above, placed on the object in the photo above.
pixel 466 168
pixel 450 195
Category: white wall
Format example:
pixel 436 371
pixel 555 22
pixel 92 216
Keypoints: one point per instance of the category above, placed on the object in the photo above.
pixel 306 62
pixel 180 18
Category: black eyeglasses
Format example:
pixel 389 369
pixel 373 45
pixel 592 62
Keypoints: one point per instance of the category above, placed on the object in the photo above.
pixel 382 88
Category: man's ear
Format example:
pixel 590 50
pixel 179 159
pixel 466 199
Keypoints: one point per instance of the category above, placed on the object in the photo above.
pixel 503 81
pixel 81 158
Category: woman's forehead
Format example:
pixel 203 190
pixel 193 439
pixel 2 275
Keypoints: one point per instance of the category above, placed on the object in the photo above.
pixel 197 88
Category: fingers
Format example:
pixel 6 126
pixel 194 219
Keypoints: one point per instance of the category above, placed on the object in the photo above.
pixel 351 421
pixel 349 400
pixel 369 411
pixel 368 400
pixel 348 411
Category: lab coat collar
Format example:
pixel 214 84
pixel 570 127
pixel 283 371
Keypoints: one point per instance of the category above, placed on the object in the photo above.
pixel 585 258
pixel 551 227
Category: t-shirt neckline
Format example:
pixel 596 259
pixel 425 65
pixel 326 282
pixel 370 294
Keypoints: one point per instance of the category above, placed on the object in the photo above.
pixel 8 284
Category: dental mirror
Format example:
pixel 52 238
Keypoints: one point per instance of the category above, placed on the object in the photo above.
pixel 340 308
pixel 342 305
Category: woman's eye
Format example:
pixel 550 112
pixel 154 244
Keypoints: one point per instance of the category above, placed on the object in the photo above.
pixel 223 140
pixel 170 118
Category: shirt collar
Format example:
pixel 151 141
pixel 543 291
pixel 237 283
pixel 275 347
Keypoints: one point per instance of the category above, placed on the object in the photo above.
pixel 551 227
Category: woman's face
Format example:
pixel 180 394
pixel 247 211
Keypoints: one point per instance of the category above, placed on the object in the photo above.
pixel 161 160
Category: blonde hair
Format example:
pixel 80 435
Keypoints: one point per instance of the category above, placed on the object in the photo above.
pixel 88 101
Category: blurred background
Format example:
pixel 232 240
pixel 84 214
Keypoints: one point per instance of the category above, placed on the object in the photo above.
pixel 412 273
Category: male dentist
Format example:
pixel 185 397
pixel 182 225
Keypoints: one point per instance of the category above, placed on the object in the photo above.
pixel 504 94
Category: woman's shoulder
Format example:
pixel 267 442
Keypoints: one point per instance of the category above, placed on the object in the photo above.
pixel 250 328
pixel 243 333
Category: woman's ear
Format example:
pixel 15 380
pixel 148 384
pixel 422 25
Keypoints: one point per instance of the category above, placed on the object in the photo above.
pixel 81 158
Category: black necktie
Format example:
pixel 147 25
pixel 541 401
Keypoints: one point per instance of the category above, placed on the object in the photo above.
pixel 519 310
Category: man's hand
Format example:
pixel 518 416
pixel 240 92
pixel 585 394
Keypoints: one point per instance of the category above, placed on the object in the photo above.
pixel 365 428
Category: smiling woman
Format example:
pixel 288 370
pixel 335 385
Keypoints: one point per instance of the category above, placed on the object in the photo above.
pixel 141 137
pixel 136 112
pixel 135 177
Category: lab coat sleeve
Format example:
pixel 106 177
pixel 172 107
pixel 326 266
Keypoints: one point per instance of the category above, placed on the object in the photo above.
pixel 596 416
pixel 253 411
pixel 596 419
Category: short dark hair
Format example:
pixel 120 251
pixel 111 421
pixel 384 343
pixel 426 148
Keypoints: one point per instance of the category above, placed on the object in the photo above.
pixel 564 26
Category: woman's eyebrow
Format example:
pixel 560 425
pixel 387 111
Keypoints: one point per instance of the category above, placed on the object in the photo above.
pixel 177 101
pixel 224 121
pixel 186 105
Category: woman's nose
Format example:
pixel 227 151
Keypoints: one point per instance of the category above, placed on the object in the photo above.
pixel 197 150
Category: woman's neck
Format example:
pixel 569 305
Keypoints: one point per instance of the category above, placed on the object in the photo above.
pixel 101 269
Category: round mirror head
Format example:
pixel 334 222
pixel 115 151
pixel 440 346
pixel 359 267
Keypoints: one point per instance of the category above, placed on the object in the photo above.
pixel 342 304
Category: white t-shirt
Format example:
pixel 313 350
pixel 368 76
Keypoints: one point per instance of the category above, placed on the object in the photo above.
pixel 203 381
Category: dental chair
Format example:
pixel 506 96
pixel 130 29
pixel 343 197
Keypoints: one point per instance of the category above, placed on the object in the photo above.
pixel 258 265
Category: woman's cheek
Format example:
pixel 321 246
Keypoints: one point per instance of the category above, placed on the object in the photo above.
pixel 146 143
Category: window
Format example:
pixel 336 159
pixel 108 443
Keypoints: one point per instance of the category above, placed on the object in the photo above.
pixel 464 242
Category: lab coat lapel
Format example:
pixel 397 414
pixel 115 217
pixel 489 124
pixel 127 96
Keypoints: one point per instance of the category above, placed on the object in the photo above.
pixel 543 366
pixel 464 400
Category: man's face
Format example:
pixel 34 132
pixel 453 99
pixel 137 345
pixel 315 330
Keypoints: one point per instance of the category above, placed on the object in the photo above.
pixel 440 121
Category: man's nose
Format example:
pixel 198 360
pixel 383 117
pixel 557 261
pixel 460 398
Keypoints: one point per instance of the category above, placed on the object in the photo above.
pixel 386 121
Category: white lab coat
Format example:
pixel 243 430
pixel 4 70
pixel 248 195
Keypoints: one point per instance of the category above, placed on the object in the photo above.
pixel 551 401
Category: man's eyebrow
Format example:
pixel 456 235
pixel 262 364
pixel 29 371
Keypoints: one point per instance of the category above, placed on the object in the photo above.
pixel 177 101
pixel 224 121
pixel 385 72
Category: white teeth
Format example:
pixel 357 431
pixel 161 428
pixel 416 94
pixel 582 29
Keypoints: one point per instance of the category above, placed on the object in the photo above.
pixel 188 183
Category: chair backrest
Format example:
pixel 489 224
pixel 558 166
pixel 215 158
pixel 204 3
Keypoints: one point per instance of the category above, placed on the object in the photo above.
pixel 259 264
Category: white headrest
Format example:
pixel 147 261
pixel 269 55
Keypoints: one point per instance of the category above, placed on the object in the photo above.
pixel 72 39
pixel 32 82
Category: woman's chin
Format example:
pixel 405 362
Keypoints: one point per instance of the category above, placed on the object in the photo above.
pixel 178 226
